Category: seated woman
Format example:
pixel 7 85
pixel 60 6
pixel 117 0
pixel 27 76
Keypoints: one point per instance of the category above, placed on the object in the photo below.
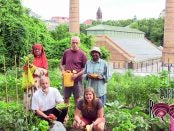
pixel 89 111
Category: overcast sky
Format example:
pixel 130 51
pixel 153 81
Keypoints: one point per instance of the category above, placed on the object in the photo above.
pixel 111 9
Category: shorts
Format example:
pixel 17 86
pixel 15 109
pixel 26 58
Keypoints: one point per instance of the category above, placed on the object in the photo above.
pixel 77 90
pixel 88 121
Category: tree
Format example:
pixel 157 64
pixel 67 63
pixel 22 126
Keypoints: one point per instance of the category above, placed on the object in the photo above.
pixel 62 37
pixel 153 28
pixel 18 31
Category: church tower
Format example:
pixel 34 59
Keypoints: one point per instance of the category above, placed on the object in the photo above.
pixel 74 25
pixel 99 14
pixel 168 46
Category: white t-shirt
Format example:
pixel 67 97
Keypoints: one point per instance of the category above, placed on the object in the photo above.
pixel 43 102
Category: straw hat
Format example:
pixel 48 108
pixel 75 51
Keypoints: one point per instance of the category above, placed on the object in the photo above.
pixel 96 49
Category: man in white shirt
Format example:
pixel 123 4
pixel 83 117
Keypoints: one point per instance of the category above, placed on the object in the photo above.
pixel 45 99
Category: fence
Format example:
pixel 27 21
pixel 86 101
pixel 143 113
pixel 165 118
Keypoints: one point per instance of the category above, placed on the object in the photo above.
pixel 146 68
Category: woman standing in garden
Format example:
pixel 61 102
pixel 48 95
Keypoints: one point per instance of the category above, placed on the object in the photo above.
pixel 97 74
pixel 38 68
pixel 89 112
pixel 40 62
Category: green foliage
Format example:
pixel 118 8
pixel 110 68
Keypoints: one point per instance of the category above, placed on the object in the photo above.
pixel 153 28
pixel 62 39
pixel 71 111
pixel 19 31
pixel 83 28
pixel 43 125
pixel 60 32
pixel 127 102
pixel 105 53
pixel 56 78
pixel 135 90
pixel 11 83
pixel 121 119
pixel 87 40
pixel 12 117
pixel 53 63
pixel 133 94
pixel 164 78
pixel 55 50
pixel 122 23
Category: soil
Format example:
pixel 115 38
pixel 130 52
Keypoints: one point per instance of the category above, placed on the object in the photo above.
pixel 71 129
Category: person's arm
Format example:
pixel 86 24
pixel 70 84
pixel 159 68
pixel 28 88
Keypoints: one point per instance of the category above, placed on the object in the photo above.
pixel 106 72
pixel 77 116
pixel 100 114
pixel 42 114
pixel 35 106
pixel 78 74
pixel 62 67
pixel 59 98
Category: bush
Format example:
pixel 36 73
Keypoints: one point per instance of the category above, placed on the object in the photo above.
pixel 53 63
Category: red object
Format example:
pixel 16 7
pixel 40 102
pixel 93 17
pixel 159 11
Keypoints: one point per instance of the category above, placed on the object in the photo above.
pixel 52 117
pixel 25 67
pixel 40 61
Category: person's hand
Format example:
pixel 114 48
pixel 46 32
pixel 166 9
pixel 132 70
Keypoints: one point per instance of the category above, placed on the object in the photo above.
pixel 30 65
pixel 95 76
pixel 89 76
pixel 74 76
pixel 100 77
pixel 94 124
pixel 52 117
pixel 63 72
pixel 77 124
pixel 89 127
pixel 92 76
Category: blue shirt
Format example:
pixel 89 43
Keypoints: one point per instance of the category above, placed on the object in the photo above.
pixel 100 67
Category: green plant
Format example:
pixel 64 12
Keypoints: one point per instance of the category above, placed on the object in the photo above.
pixel 43 125
pixel 13 117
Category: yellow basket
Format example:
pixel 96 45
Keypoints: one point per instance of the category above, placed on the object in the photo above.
pixel 67 79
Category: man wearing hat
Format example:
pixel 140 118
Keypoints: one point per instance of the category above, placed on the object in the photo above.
pixel 74 59
pixel 96 71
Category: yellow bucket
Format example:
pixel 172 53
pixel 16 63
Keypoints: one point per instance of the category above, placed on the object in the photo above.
pixel 67 79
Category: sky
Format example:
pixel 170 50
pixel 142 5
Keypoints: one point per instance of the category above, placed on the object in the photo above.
pixel 111 9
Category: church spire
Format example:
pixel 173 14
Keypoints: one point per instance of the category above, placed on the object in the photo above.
pixel 99 14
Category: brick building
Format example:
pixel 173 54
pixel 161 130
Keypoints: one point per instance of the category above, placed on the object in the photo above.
pixel 128 47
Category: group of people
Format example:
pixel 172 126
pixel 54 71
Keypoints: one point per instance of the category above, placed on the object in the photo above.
pixel 89 102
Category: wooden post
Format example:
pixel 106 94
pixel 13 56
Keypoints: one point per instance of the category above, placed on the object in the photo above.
pixel 16 79
pixel 5 74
